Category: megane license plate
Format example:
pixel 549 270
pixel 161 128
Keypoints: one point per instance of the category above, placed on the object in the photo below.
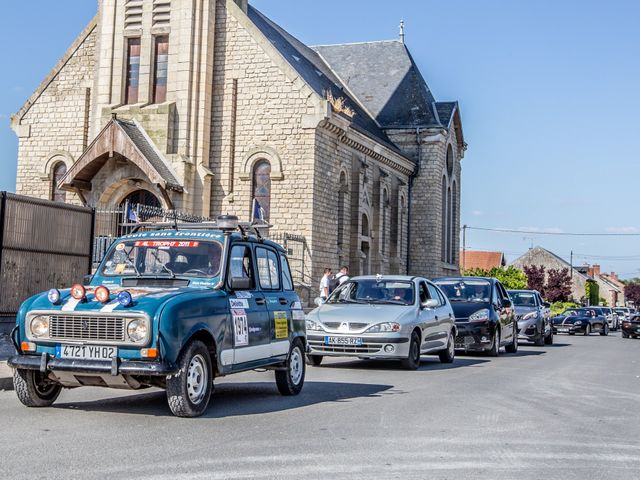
pixel 563 329
pixel 328 340
pixel 86 352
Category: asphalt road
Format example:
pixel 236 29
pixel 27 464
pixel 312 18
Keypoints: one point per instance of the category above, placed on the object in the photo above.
pixel 567 411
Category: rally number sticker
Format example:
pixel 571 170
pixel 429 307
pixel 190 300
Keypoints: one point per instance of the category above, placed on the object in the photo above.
pixel 240 327
pixel 281 324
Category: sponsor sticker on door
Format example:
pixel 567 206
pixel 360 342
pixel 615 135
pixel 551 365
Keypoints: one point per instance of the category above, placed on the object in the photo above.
pixel 281 324
pixel 240 327
pixel 238 303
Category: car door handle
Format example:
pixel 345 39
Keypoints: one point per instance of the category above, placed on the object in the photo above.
pixel 260 301
pixel 437 317
pixel 283 301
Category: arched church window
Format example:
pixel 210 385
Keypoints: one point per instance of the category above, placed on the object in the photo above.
pixel 384 223
pixel 161 66
pixel 445 229
pixel 342 194
pixel 449 226
pixel 450 161
pixel 365 226
pixel 261 194
pixel 453 222
pixel 133 70
pixel 401 219
pixel 58 172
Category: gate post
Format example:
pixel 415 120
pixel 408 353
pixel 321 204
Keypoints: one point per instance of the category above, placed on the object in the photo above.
pixel 3 205
pixel 92 240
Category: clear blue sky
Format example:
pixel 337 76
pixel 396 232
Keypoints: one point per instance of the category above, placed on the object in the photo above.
pixel 549 93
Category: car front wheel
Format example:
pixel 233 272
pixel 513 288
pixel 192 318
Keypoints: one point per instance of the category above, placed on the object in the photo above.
pixel 412 362
pixel 605 330
pixel 291 379
pixel 587 330
pixel 495 347
pixel 625 335
pixel 448 355
pixel 34 389
pixel 548 340
pixel 513 346
pixel 189 390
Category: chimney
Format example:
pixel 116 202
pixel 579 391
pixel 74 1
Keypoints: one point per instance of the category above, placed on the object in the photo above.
pixel 243 4
pixel 614 275
pixel 596 270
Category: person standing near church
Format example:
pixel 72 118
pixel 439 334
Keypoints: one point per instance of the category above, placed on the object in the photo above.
pixel 324 284
pixel 343 275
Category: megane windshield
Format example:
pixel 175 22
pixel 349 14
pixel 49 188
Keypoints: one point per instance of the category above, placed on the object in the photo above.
pixel 523 299
pixel 164 257
pixel 466 290
pixel 392 292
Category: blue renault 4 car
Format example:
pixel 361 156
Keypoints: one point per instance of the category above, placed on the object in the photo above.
pixel 167 308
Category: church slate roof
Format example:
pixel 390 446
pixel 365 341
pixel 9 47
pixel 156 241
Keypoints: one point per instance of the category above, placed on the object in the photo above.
pixel 144 144
pixel 384 77
pixel 316 73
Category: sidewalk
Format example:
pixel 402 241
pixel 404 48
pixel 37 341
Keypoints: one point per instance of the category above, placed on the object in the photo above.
pixel 6 374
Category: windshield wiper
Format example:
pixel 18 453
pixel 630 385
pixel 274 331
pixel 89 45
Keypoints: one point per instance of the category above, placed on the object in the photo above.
pixel 379 301
pixel 164 266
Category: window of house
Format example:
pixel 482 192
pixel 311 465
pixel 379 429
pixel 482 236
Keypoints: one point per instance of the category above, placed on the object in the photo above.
pixel 133 70
pixel 59 171
pixel 268 270
pixel 161 64
pixel 262 189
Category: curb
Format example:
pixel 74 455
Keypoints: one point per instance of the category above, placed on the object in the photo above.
pixel 6 377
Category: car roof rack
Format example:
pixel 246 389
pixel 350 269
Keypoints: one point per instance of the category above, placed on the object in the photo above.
pixel 245 228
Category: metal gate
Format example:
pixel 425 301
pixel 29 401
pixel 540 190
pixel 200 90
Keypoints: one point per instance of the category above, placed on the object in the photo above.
pixel 43 245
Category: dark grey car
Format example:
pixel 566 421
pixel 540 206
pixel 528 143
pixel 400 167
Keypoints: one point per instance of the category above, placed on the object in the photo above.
pixel 534 320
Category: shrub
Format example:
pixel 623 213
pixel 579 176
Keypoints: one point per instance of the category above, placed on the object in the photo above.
pixel 510 277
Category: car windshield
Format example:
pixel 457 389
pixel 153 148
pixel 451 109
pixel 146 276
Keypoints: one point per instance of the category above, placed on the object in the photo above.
pixel 620 311
pixel 165 257
pixel 392 292
pixel 466 290
pixel 582 312
pixel 523 299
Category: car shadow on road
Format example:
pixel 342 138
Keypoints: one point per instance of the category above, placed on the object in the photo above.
pixel 238 399
pixel 427 363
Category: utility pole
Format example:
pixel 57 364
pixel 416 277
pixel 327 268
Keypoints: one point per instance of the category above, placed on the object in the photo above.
pixel 402 31
pixel 464 246
pixel 571 271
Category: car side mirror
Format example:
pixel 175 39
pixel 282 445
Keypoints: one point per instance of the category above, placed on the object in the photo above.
pixel 546 305
pixel 86 280
pixel 431 303
pixel 240 283
pixel 318 301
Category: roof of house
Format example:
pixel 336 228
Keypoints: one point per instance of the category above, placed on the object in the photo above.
pixel 554 256
pixel 482 260
pixel 386 80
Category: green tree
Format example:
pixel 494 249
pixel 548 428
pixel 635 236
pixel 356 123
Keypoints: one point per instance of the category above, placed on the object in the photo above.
pixel 511 277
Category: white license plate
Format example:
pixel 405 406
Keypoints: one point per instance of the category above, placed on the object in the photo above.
pixel 86 352
pixel 328 340
pixel 563 329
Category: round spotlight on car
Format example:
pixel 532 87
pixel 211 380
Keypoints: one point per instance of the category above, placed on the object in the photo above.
pixel 78 292
pixel 227 222
pixel 40 325
pixel 102 294
pixel 389 348
pixel 125 299
pixel 54 296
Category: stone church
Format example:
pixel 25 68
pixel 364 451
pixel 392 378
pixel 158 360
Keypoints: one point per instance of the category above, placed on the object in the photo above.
pixel 205 105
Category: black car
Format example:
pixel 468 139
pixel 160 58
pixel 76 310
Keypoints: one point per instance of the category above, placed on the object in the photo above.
pixel 532 313
pixel 485 317
pixel 631 327
pixel 585 320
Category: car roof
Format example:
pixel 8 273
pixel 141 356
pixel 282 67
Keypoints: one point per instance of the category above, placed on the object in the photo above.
pixel 211 234
pixel 388 277
pixel 449 279
pixel 523 291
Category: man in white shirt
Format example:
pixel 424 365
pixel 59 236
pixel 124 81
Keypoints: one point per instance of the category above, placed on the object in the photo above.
pixel 324 284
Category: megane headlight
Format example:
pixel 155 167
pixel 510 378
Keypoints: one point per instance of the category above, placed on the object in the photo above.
pixel 530 316
pixel 40 326
pixel 480 315
pixel 312 325
pixel 384 327
pixel 137 330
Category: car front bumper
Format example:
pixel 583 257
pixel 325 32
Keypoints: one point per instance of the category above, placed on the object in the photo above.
pixel 631 329
pixel 571 329
pixel 474 337
pixel 371 346
pixel 46 363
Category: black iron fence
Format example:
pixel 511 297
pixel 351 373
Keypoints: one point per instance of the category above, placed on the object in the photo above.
pixel 43 245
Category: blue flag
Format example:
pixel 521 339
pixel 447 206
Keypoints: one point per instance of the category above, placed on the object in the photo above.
pixel 258 211
pixel 132 216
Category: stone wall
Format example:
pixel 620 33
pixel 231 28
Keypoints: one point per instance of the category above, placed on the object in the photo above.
pixel 54 127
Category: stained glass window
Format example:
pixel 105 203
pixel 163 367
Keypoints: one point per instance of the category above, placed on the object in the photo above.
pixel 133 70
pixel 262 186
pixel 160 69
pixel 59 171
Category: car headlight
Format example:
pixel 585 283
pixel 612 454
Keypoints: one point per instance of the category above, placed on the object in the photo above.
pixel 530 316
pixel 137 330
pixel 40 325
pixel 384 327
pixel 311 325
pixel 480 315
pixel 577 323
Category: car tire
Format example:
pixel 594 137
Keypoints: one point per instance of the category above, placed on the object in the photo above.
pixel 34 389
pixel 412 362
pixel 495 346
pixel 314 360
pixel 605 331
pixel 587 330
pixel 540 340
pixel 625 335
pixel 572 333
pixel 513 346
pixel 291 379
pixel 189 390
pixel 449 354
pixel 548 340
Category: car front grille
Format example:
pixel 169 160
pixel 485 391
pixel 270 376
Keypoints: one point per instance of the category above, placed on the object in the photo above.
pixel 81 327
pixel 352 326
pixel 364 348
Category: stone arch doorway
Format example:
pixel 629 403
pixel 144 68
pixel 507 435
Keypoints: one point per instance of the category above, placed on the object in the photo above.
pixel 141 197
